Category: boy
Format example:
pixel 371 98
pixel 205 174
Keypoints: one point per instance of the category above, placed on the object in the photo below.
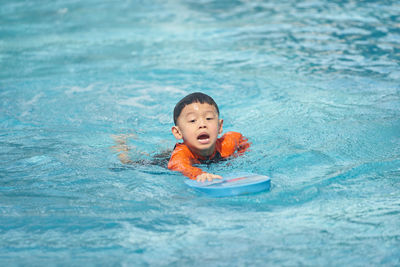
pixel 197 123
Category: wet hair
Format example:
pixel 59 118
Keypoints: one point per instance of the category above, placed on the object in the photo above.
pixel 193 98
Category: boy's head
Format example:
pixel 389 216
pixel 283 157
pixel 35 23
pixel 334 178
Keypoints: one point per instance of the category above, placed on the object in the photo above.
pixel 197 122
pixel 193 98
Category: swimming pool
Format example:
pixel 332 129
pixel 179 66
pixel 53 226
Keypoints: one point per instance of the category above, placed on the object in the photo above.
pixel 313 84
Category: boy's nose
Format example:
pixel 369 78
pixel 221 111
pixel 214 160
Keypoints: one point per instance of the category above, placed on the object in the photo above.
pixel 202 123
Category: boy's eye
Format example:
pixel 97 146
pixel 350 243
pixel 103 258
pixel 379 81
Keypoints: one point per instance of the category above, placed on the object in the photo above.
pixel 209 118
pixel 192 121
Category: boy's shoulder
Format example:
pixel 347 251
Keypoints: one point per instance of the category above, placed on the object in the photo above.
pixel 228 143
pixel 181 147
pixel 230 135
pixel 181 150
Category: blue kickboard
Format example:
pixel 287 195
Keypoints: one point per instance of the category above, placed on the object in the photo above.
pixel 233 184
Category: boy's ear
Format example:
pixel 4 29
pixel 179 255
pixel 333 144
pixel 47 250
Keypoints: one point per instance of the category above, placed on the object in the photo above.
pixel 221 122
pixel 176 132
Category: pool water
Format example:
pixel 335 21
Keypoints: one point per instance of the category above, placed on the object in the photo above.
pixel 314 85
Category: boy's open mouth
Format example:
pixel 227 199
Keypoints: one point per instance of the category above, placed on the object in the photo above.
pixel 203 138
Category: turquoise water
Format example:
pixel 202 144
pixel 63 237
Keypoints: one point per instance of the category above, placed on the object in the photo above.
pixel 315 85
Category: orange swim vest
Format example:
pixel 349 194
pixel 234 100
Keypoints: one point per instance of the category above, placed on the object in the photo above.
pixel 182 159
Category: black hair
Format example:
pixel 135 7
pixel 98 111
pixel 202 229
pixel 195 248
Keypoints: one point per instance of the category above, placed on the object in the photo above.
pixel 193 98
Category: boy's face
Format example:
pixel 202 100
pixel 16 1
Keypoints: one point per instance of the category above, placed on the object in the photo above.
pixel 198 125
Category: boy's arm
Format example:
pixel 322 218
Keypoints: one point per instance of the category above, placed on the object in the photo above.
pixel 183 164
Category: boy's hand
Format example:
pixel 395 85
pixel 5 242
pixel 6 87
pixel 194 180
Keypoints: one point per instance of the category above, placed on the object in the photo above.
pixel 207 176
